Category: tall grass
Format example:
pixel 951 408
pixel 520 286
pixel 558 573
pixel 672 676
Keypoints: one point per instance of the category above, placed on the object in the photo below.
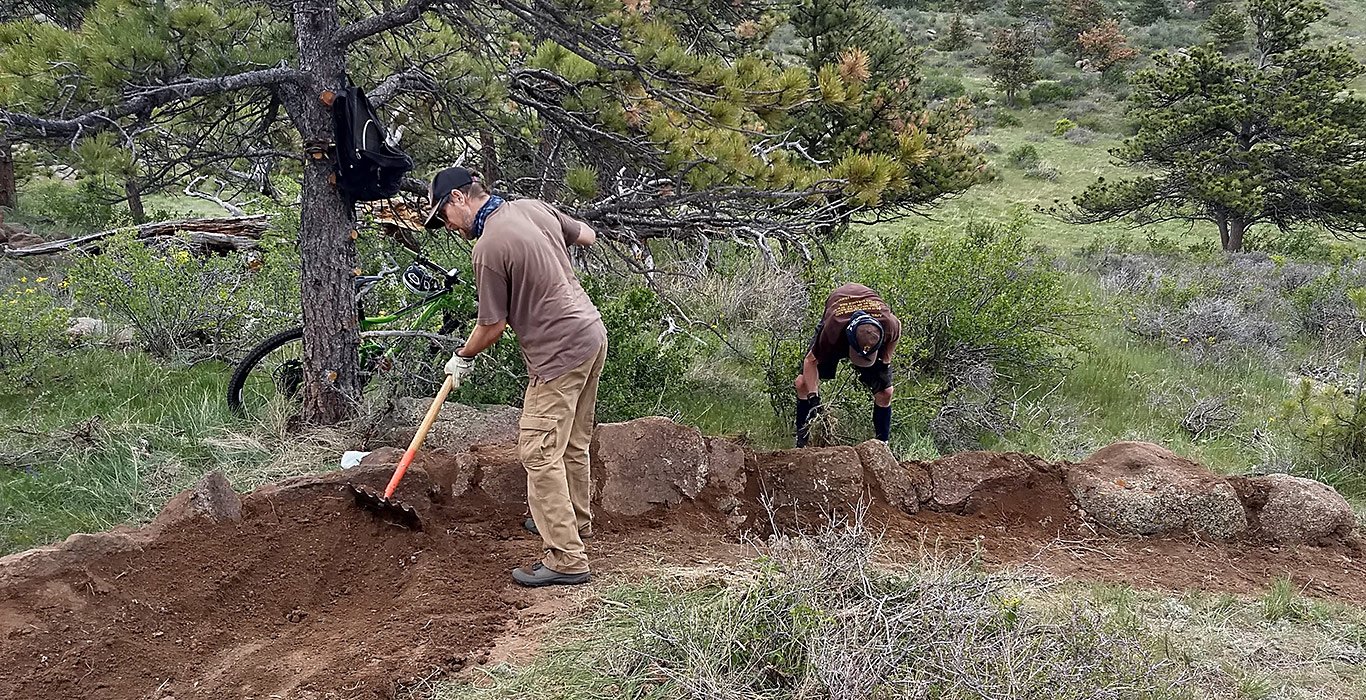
pixel 113 436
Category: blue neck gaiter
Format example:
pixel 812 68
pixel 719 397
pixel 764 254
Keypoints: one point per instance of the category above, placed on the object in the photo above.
pixel 483 214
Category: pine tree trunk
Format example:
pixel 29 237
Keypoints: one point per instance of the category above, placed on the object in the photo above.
pixel 1236 229
pixel 8 197
pixel 488 156
pixel 331 332
pixel 134 193
pixel 1222 222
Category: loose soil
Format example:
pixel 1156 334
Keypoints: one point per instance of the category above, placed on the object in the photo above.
pixel 310 597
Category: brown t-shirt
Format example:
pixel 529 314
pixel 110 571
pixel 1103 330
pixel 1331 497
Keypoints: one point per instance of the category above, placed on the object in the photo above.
pixel 831 343
pixel 523 274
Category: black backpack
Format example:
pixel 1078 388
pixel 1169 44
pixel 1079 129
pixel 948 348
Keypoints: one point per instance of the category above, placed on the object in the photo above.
pixel 368 168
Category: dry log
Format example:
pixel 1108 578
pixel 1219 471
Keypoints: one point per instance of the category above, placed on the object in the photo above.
pixel 204 235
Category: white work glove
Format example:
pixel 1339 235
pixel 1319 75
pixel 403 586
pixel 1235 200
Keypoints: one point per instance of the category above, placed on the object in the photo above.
pixel 459 367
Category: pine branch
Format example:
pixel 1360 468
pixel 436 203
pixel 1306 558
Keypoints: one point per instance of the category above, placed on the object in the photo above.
pixel 144 100
pixel 383 21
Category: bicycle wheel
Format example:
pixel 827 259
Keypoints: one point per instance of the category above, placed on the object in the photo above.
pixel 272 372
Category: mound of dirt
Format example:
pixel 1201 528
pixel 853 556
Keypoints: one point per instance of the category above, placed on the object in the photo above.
pixel 294 592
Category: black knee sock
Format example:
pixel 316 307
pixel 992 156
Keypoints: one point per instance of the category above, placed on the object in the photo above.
pixel 882 422
pixel 805 407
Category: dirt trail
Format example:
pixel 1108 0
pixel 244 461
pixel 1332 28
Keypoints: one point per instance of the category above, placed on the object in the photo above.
pixel 309 597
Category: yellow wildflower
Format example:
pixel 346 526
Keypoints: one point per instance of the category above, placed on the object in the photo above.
pixel 40 280
pixel 30 290
pixel 1185 340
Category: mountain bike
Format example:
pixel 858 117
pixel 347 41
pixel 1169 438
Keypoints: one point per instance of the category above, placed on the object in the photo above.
pixel 273 370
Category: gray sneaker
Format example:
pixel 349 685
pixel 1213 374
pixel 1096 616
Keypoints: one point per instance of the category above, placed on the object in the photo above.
pixel 530 526
pixel 539 574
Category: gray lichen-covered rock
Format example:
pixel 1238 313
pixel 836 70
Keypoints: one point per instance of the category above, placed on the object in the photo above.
pixel 211 498
pixel 1292 510
pixel 1145 489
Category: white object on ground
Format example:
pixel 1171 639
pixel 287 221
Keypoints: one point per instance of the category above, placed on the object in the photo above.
pixel 352 458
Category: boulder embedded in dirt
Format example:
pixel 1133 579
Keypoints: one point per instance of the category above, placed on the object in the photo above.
pixel 900 483
pixel 1144 489
pixel 1292 510
pixel 457 426
pixel 645 463
pixel 810 481
pixel 957 477
pixel 726 476
pixel 501 475
pixel 211 499
pixel 44 562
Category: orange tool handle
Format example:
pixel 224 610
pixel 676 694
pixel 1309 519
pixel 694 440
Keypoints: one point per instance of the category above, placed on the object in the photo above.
pixel 421 435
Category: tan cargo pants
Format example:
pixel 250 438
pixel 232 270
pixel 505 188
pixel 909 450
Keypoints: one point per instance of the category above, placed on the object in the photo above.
pixel 553 438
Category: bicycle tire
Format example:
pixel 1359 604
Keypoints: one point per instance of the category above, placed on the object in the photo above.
pixel 238 381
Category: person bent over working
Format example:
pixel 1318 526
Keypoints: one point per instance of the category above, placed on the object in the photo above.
pixel 859 326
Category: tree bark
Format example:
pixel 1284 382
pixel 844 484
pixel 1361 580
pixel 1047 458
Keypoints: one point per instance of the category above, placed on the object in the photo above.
pixel 8 195
pixel 134 192
pixel 1221 220
pixel 1236 229
pixel 488 156
pixel 331 330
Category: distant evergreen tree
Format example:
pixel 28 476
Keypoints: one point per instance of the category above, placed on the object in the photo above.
pixel 1226 27
pixel 956 37
pixel 1273 138
pixel 1145 12
pixel 1011 61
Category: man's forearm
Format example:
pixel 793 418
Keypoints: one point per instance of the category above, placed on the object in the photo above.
pixel 483 337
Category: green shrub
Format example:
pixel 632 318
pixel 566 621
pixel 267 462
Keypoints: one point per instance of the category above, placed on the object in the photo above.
pixel 938 87
pixel 83 207
pixel 1006 118
pixel 1062 126
pixel 1051 91
pixel 180 305
pixel 1024 157
pixel 32 322
pixel 976 309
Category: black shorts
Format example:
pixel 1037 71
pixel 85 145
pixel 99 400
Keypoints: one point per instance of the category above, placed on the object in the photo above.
pixel 876 378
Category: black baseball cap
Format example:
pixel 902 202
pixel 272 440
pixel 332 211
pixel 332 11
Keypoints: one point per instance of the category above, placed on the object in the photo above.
pixel 452 178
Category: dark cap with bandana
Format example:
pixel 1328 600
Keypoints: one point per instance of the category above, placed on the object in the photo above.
pixel 452 178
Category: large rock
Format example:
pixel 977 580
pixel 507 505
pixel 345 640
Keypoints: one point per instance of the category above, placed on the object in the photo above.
pixel 647 463
pixel 904 486
pixel 211 499
pixel 957 477
pixel 1145 489
pixel 803 485
pixel 727 479
pixel 1291 510
pixel 97 330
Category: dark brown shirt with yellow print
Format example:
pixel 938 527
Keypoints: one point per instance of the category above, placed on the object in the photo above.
pixel 830 343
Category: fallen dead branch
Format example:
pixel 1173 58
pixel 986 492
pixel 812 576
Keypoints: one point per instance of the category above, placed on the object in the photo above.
pixel 219 235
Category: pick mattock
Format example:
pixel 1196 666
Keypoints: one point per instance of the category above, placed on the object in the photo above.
pixel 387 506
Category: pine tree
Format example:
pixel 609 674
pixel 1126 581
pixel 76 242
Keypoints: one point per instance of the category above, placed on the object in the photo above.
pixel 1145 12
pixel 1274 138
pixel 956 37
pixel 1070 18
pixel 1226 27
pixel 1104 46
pixel 1011 61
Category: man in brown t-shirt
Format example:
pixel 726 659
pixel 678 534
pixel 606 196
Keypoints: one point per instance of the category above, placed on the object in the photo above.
pixel 524 280
pixel 858 326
